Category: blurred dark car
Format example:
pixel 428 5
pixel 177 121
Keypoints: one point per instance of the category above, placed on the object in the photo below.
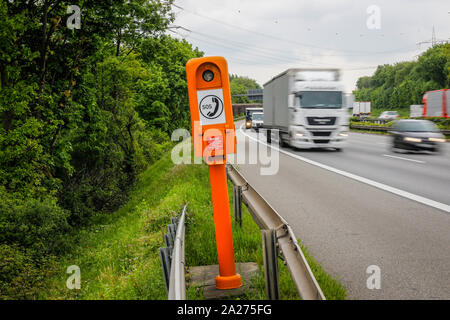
pixel 416 135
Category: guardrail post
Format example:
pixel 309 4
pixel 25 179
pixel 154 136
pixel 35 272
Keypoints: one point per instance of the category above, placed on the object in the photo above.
pixel 169 241
pixel 237 202
pixel 164 254
pixel 172 231
pixel 270 256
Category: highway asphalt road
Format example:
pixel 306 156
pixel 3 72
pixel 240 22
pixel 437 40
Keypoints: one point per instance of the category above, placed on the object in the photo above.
pixel 349 222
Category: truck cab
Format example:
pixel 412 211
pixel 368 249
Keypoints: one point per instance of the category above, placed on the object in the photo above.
pixel 319 118
pixel 307 107
pixel 318 112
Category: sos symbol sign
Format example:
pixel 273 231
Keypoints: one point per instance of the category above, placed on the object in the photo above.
pixel 211 107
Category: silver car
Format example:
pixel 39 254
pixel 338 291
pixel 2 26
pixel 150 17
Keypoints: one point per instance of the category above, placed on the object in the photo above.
pixel 388 115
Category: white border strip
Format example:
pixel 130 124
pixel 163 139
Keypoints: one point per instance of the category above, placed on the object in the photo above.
pixel 401 158
pixel 402 193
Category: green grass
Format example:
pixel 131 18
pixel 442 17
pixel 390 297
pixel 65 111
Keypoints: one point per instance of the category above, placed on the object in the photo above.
pixel 118 254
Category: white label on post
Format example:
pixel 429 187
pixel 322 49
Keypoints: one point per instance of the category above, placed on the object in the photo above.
pixel 210 106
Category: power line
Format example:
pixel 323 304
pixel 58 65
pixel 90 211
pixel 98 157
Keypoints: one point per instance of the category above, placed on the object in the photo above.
pixel 233 48
pixel 257 53
pixel 266 56
pixel 289 40
pixel 251 55
pixel 265 51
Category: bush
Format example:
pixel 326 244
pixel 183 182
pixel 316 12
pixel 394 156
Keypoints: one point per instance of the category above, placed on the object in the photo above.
pixel 19 277
pixel 31 231
pixel 35 224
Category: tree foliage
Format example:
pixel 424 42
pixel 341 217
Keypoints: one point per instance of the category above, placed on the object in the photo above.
pixel 241 85
pixel 82 113
pixel 400 85
pixel 166 59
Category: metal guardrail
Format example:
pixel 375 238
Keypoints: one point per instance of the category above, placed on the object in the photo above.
pixel 382 129
pixel 370 128
pixel 378 121
pixel 277 236
pixel 172 258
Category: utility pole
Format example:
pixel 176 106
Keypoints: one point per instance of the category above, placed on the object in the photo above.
pixel 434 41
pixel 433 38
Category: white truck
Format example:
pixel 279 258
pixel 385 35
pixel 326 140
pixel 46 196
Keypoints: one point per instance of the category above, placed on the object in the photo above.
pixel 257 120
pixel 249 116
pixel 416 110
pixel 361 109
pixel 306 107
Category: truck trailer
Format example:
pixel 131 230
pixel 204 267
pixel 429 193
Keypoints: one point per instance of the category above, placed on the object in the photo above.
pixel 361 109
pixel 436 103
pixel 306 107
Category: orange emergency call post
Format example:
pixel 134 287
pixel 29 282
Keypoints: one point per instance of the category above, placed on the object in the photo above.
pixel 214 138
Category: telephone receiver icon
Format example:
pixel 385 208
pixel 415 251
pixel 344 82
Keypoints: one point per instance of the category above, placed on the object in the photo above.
pixel 216 108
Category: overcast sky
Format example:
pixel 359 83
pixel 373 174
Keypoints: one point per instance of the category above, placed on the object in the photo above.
pixel 262 38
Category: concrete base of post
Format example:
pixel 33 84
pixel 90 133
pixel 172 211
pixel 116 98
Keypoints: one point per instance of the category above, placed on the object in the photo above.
pixel 204 277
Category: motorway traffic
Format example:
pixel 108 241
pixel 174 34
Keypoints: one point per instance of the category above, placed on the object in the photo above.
pixel 366 206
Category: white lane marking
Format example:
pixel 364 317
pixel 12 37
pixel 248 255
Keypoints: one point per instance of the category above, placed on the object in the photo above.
pixel 402 193
pixel 401 158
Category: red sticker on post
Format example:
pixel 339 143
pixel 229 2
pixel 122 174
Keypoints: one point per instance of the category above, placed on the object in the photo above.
pixel 215 143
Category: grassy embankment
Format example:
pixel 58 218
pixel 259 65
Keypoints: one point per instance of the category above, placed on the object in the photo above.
pixel 118 255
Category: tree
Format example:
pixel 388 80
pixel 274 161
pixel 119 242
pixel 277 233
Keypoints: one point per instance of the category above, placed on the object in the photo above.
pixel 432 65
pixel 402 84
pixel 136 20
pixel 82 113
pixel 363 82
pixel 241 85
pixel 43 65
pixel 237 88
pixel 166 57
pixel 106 154
pixel 245 81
